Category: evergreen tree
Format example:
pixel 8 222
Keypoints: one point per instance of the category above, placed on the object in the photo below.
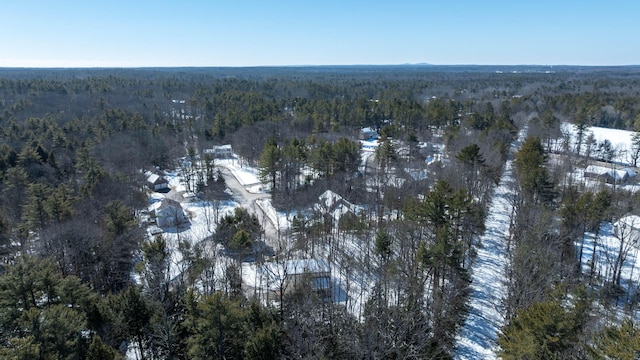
pixel 34 214
pixel 617 342
pixel 42 314
pixel 155 267
pixel 59 205
pixel 385 154
pixel 532 175
pixel 346 156
pixel 544 330
pixel 98 350
pixel 129 313
pixel 269 162
pixel 635 148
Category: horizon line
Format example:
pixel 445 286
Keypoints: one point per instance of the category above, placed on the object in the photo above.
pixel 302 66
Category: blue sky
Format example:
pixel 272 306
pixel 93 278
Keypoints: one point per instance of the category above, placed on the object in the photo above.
pixel 134 33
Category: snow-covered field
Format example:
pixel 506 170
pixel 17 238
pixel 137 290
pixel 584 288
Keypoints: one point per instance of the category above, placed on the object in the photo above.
pixel 621 140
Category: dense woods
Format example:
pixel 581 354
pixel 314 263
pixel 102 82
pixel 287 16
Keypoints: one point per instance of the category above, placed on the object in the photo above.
pixel 81 278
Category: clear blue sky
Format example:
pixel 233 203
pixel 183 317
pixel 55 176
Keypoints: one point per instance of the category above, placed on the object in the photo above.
pixel 133 33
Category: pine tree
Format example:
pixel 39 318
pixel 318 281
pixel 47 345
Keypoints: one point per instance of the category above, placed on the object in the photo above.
pixel 98 350
pixel 544 330
pixel 635 148
pixel 532 175
pixel 42 313
pixel 129 313
pixel 34 213
pixel 269 162
pixel 59 205
pixel 617 342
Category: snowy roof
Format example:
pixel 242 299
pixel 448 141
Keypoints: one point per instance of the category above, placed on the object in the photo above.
pixel 630 172
pixel 167 203
pixel 632 221
pixel 628 228
pixel 219 149
pixel 617 174
pixel 156 179
pixel 335 205
pixel 595 169
pixel 330 200
pixel 302 266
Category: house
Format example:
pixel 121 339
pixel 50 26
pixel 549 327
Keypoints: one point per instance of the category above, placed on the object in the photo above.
pixel 312 273
pixel 220 151
pixel 368 133
pixel 169 213
pixel 609 175
pixel 628 229
pixel 157 182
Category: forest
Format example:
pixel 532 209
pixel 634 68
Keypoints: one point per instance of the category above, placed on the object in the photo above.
pixel 81 277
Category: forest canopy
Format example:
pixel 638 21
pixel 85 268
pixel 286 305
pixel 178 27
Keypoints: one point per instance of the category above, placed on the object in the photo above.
pixel 82 277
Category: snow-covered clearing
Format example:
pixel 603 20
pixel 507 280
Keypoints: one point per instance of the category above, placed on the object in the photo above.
pixel 621 140
pixel 477 338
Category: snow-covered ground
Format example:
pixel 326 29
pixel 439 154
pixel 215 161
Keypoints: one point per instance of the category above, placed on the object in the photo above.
pixel 621 140
pixel 477 339
pixel 608 244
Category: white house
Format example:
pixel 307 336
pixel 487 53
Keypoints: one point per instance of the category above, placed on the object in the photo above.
pixel 220 151
pixel 169 213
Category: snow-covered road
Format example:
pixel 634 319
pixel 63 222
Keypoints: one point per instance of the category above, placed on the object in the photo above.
pixel 477 338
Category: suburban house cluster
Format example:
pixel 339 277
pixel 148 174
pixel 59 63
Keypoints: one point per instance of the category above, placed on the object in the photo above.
pixel 167 212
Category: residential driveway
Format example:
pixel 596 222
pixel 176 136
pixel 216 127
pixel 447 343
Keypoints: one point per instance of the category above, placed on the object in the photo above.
pixel 249 200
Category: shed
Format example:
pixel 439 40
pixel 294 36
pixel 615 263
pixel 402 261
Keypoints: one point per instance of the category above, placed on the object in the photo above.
pixel 157 182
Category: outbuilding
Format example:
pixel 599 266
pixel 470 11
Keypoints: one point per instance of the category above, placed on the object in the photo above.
pixel 157 182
